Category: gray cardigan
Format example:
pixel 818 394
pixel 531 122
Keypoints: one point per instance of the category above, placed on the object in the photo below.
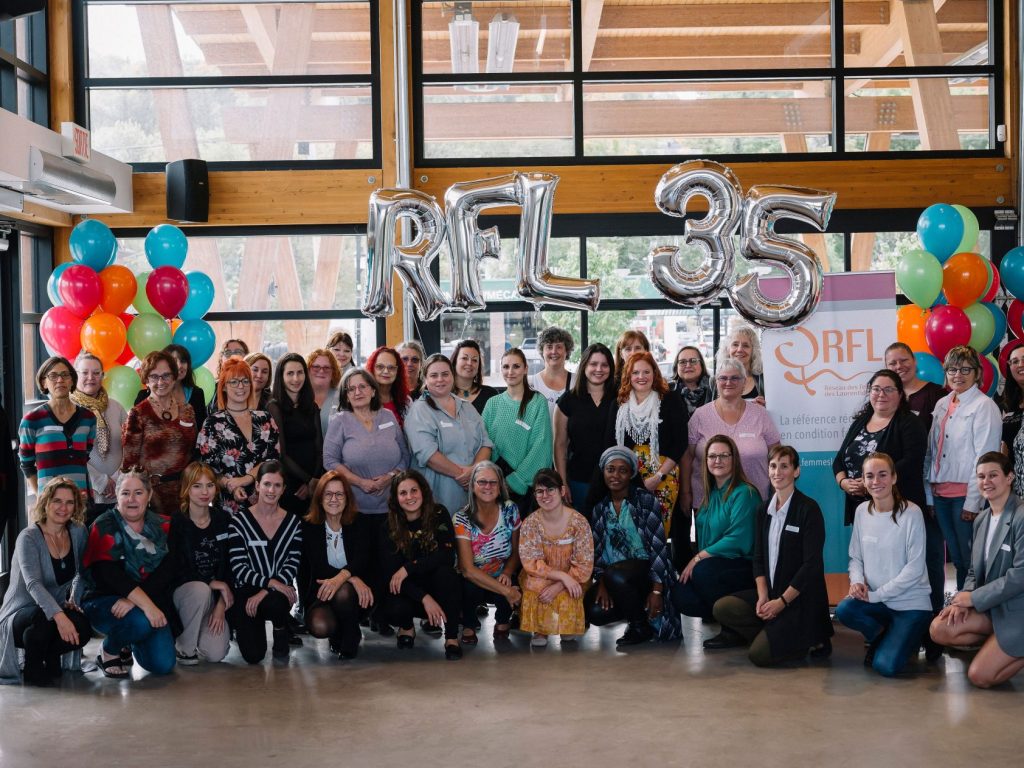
pixel 34 583
pixel 996 578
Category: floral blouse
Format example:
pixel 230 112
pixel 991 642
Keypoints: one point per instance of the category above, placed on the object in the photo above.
pixel 222 445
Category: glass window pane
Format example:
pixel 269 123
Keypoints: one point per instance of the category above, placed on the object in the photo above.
pixel 706 118
pixel 498 276
pixel 917 114
pixel 667 330
pixel 247 39
pixel 492 37
pixel 722 36
pixel 498 120
pixel 276 337
pixel 907 33
pixel 875 251
pixel 225 124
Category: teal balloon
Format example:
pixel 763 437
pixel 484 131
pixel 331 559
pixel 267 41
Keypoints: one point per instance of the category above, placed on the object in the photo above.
pixel 999 321
pixel 141 301
pixel 148 333
pixel 983 326
pixel 206 382
pixel 166 246
pixel 122 384
pixel 919 276
pixel 93 244
pixel 200 296
pixel 54 282
pixel 970 237
pixel 198 338
pixel 940 230
pixel 929 368
pixel 1011 272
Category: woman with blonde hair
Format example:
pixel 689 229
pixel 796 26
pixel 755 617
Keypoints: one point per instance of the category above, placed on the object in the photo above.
pixel 743 345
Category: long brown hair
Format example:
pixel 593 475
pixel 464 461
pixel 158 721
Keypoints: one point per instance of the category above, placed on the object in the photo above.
pixel 316 514
pixel 738 477
pixel 528 391
pixel 398 526
pixel 899 503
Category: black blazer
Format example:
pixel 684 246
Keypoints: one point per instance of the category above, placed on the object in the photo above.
pixel 357 539
pixel 800 565
pixel 905 440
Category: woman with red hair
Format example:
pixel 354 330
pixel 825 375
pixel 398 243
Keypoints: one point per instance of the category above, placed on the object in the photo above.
pixel 237 438
pixel 651 420
pixel 386 367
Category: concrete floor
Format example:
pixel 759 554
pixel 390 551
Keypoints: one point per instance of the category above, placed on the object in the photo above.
pixel 513 705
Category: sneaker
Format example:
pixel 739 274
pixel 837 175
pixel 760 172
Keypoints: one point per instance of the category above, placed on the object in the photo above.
pixel 187 660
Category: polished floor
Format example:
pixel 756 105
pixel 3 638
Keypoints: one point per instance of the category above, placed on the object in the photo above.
pixel 510 705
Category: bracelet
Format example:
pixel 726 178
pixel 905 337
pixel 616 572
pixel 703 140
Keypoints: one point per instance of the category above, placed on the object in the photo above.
pixel 785 602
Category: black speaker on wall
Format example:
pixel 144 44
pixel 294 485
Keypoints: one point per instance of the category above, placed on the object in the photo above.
pixel 188 191
pixel 12 9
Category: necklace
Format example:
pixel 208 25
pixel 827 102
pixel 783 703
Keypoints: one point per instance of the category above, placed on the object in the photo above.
pixel 54 539
pixel 237 410
pixel 165 410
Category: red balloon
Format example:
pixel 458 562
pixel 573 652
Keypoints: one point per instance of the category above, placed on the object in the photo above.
pixel 1014 316
pixel 993 289
pixel 126 355
pixel 1004 355
pixel 61 329
pixel 988 371
pixel 80 288
pixel 947 327
pixel 167 290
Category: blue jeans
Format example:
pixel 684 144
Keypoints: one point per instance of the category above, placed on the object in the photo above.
pixel 957 533
pixel 900 631
pixel 152 648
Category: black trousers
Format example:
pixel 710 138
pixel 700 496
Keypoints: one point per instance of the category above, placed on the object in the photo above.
pixel 628 583
pixel 251 632
pixel 41 641
pixel 474 595
pixel 337 619
pixel 442 584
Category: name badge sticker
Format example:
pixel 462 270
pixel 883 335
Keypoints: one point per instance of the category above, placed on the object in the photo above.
pixel 747 435
pixel 187 423
pixel 1005 548
pixel 386 425
pixel 256 543
pixel 446 424
pixel 793 528
pixel 523 424
pixel 223 536
pixel 870 539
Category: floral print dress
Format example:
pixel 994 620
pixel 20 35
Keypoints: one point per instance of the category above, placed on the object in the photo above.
pixel 572 551
pixel 222 445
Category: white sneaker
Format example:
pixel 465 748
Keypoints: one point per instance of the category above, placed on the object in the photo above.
pixel 539 641
pixel 187 661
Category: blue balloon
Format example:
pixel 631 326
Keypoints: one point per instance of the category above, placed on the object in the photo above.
pixel 200 296
pixel 999 336
pixel 940 229
pixel 198 338
pixel 1011 272
pixel 929 368
pixel 93 244
pixel 941 300
pixel 166 246
pixel 51 284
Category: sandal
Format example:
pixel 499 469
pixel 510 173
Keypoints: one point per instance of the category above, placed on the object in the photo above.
pixel 107 667
pixel 502 633
pixel 469 637
pixel 126 657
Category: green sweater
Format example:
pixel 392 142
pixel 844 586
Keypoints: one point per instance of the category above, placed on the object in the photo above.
pixel 526 444
pixel 725 527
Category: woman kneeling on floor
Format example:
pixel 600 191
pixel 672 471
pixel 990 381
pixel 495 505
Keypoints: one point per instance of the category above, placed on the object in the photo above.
pixel 417 551
pixel 632 561
pixel 988 610
pixel 787 614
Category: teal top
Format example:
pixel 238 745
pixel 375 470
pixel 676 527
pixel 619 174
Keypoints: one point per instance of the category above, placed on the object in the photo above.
pixel 621 538
pixel 524 444
pixel 725 527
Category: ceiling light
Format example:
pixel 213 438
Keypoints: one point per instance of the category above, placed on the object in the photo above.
pixel 464 37
pixel 502 35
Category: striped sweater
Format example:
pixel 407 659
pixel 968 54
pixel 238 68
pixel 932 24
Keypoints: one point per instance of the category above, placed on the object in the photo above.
pixel 255 559
pixel 49 449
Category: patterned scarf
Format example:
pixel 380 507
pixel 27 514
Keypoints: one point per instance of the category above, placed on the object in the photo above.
pixel 98 405
pixel 139 553
pixel 640 421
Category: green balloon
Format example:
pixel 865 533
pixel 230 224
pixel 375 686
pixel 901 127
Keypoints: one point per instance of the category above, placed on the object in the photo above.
pixel 122 384
pixel 919 276
pixel 141 302
pixel 983 326
pixel 206 382
pixel 148 333
pixel 970 238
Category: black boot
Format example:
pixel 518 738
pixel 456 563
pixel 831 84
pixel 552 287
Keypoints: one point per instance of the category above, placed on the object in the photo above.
pixel 281 647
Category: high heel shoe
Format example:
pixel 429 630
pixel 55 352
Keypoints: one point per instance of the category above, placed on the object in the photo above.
pixel 405 642
pixel 452 652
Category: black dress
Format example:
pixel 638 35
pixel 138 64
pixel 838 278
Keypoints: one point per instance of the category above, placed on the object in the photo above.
pixel 302 451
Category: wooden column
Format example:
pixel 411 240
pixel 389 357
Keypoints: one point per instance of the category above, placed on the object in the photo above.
pixel 394 325
pixel 62 102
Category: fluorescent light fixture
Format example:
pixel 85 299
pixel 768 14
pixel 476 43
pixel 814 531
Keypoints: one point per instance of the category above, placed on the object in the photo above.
pixel 464 38
pixel 11 201
pixel 502 35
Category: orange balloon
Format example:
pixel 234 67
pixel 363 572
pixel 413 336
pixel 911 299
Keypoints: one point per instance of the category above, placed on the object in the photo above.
pixel 119 289
pixel 104 335
pixel 964 279
pixel 910 322
pixel 174 323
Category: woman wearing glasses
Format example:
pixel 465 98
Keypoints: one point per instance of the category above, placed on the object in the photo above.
pixel 105 458
pixel 160 433
pixel 55 439
pixel 185 389
pixel 965 424
pixel 412 354
pixel 690 379
pixel 237 439
pixel 324 375
pixel 387 369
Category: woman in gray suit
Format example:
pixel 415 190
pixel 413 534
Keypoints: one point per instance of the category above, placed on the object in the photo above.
pixel 988 610
pixel 39 614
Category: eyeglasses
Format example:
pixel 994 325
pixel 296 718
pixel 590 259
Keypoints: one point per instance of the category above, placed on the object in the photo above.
pixel 238 382
pixel 159 378
pixel 729 379
pixel 410 359
pixel 381 368
pixel 719 456
pixel 486 483
pixel 963 370
pixel 236 352
pixel 332 495
pixel 544 491
pixel 883 391
pixel 55 376
pixel 688 361
pixel 320 368
pixel 357 388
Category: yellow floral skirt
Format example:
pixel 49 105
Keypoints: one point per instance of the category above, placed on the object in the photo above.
pixel 562 616
pixel 667 490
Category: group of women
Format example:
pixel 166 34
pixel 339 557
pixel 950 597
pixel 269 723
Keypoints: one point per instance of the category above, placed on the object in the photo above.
pixel 408 488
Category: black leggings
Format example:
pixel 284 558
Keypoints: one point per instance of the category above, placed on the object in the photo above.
pixel 42 643
pixel 443 585
pixel 251 632
pixel 474 595
pixel 628 583
pixel 338 618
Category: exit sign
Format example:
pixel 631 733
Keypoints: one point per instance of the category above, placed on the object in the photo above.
pixel 77 143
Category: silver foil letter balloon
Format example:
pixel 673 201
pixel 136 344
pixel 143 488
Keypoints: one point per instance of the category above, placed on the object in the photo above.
pixel 385 254
pixel 764 206
pixel 713 234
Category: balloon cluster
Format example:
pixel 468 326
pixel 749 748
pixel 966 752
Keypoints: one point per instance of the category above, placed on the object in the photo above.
pixel 953 290
pixel 91 296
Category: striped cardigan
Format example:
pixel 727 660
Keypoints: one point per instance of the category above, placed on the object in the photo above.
pixel 46 451
pixel 255 559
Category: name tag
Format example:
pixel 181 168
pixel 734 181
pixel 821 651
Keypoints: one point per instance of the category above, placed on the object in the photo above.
pixel 793 528
pixel 386 425
pixel 223 536
pixel 52 429
pixel 1005 548
pixel 749 435
pixel 187 423
pixel 257 543
pixel 523 424
pixel 870 539
pixel 446 424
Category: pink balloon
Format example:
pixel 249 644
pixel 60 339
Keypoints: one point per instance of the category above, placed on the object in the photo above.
pixel 61 329
pixel 167 290
pixel 993 289
pixel 946 327
pixel 80 288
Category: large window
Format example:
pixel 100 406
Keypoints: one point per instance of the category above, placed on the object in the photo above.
pixel 593 80
pixel 24 83
pixel 285 84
